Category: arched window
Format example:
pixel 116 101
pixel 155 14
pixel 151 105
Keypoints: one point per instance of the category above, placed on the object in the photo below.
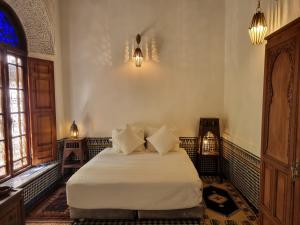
pixel 11 31
pixel 14 129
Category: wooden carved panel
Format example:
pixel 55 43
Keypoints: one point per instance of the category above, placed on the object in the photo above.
pixel 279 98
pixel 42 83
pixel 44 124
pixel 267 177
pixel 44 140
pixel 279 114
pixel 281 196
pixel 267 221
pixel 296 203
pixel 43 100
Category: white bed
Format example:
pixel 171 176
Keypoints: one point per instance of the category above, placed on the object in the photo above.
pixel 139 181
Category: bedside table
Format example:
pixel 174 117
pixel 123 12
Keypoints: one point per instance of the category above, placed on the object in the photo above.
pixel 12 208
pixel 209 165
pixel 75 154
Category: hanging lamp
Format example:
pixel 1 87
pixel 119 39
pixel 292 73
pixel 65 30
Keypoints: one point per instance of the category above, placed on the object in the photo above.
pixel 258 27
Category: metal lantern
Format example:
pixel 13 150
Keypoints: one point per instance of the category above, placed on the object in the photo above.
pixel 210 144
pixel 138 54
pixel 209 136
pixel 258 27
pixel 74 132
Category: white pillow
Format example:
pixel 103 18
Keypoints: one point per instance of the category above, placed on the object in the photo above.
pixel 152 130
pixel 137 130
pixel 163 140
pixel 115 143
pixel 128 141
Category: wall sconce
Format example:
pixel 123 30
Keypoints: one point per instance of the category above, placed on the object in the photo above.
pixel 258 27
pixel 74 133
pixel 138 54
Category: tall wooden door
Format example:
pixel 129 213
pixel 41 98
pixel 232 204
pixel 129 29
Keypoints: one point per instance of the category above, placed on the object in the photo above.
pixel 279 129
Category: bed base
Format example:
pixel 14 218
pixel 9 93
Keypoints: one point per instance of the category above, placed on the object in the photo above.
pixel 124 214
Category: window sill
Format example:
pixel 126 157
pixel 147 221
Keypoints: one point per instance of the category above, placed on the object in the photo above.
pixel 26 177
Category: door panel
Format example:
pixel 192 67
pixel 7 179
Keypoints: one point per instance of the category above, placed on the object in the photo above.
pixel 267 221
pixel 279 110
pixel 296 214
pixel 281 195
pixel 278 128
pixel 268 185
pixel 43 87
pixel 44 125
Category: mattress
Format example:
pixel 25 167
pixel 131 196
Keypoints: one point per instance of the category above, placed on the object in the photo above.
pixel 139 181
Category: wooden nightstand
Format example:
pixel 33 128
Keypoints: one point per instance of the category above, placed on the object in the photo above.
pixel 12 208
pixel 75 154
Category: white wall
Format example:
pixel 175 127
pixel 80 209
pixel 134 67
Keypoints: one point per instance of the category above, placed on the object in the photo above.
pixel 244 66
pixel 180 84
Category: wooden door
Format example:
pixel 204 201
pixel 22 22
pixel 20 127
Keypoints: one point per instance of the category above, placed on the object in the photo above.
pixel 296 191
pixel 42 110
pixel 279 129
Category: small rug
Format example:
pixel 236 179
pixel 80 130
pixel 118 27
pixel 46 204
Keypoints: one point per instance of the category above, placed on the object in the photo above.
pixel 219 200
pixel 52 209
pixel 244 215
pixel 138 222
pixel 47 223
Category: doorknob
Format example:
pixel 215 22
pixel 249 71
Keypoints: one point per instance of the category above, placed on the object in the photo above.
pixel 296 171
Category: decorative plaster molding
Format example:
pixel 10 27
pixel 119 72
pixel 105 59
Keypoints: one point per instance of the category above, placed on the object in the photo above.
pixel 37 18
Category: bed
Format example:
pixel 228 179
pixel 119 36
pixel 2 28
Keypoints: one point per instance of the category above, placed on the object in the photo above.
pixel 142 184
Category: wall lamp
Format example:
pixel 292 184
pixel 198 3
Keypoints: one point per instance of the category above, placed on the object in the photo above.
pixel 138 54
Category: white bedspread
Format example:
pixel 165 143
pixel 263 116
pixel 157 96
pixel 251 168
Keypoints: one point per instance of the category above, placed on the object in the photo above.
pixel 145 181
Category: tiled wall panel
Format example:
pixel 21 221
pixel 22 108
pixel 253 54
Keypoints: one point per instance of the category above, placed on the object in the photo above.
pixel 243 170
pixel 190 144
pixel 34 190
pixel 40 184
pixel 96 145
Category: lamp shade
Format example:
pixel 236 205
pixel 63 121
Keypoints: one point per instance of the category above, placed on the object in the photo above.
pixel 258 27
pixel 74 130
